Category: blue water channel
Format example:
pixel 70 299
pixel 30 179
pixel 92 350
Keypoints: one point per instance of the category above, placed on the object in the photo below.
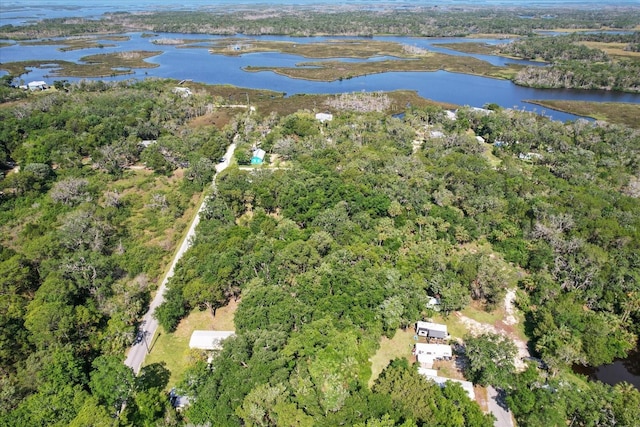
pixel 196 63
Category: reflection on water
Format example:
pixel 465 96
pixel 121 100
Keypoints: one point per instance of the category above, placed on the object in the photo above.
pixel 198 64
pixel 627 370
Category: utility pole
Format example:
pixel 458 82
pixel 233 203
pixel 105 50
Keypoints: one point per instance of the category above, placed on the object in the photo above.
pixel 144 338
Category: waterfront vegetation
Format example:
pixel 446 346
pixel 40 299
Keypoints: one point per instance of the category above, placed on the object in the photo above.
pixel 344 20
pixel 100 65
pixel 612 112
pixel 76 43
pixel 577 60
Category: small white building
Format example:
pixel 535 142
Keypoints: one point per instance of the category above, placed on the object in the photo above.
pixel 258 156
pixel 38 85
pixel 209 340
pixel 324 117
pixel 433 304
pixel 437 351
pixel 431 330
pixel 442 381
pixel 426 354
pixel 184 92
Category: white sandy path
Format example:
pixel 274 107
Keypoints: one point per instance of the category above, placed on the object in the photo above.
pixel 477 328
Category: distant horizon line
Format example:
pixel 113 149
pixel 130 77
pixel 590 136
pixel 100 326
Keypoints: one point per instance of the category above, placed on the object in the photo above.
pixel 210 3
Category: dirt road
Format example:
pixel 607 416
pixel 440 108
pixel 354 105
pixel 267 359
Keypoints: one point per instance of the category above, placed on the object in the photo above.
pixel 149 325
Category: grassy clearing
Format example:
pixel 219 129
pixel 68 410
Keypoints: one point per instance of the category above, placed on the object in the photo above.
pixel 490 157
pixel 612 49
pixel 612 112
pixel 475 312
pixel 454 326
pixel 471 47
pixel 173 349
pixel 397 347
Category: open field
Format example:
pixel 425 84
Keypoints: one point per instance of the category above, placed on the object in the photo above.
pixel 613 49
pixel 612 112
pixel 397 347
pixel 101 65
pixel 471 47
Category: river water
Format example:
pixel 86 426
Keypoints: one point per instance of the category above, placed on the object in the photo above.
pixel 199 65
pixel 627 370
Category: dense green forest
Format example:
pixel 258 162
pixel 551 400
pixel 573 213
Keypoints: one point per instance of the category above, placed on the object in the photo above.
pixel 86 235
pixel 347 240
pixel 343 20
pixel 575 65
pixel 364 219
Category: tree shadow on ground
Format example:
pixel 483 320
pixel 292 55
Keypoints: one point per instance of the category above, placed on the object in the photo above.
pixel 151 376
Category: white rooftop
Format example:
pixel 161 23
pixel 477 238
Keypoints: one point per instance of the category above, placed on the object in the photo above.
pixel 442 381
pixel 259 153
pixel 324 117
pixel 209 340
pixel 431 326
pixel 436 349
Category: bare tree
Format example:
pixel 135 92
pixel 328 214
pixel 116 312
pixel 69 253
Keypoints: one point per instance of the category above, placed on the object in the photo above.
pixel 70 191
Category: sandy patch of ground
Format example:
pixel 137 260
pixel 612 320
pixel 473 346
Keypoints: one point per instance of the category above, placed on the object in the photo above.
pixel 503 327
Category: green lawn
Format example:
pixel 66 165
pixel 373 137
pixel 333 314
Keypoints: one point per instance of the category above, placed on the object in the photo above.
pixel 399 346
pixel 173 349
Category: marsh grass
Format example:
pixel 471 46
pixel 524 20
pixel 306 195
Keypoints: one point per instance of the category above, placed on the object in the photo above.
pixel 339 70
pixel 77 43
pixel 612 112
pixel 613 49
pixel 470 47
pixel 327 49
pixel 100 65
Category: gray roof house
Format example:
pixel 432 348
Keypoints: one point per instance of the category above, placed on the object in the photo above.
pixel 431 330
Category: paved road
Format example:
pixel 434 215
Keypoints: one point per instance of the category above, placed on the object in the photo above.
pixel 499 409
pixel 149 325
